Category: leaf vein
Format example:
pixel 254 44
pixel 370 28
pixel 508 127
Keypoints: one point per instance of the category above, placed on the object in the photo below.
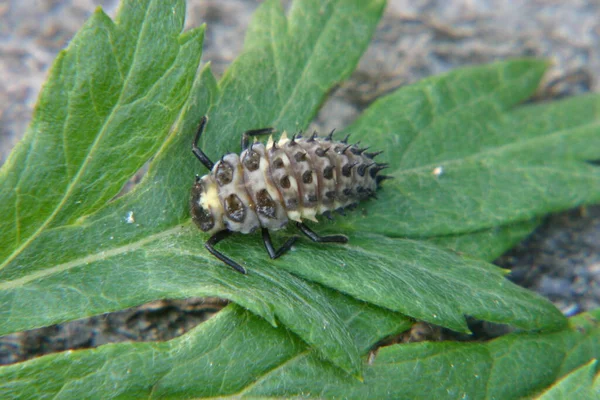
pixel 449 111
pixel 87 259
pixel 495 151
pixel 79 173
pixel 272 371
pixel 305 68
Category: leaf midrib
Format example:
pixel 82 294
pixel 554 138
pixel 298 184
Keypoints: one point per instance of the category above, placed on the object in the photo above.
pixel 495 151
pixel 301 354
pixel 426 89
pixel 83 166
pixel 105 254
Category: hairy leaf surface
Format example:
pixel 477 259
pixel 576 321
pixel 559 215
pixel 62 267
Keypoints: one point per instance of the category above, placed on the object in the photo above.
pixel 211 360
pixel 576 385
pixel 109 102
pixel 464 159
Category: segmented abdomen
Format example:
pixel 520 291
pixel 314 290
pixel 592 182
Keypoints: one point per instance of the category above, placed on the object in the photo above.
pixel 291 179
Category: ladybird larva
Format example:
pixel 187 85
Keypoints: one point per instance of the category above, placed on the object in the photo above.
pixel 267 186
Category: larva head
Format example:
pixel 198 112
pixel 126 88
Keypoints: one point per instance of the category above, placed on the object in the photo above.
pixel 205 207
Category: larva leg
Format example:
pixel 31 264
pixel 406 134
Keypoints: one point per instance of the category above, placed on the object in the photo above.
pixel 196 150
pixel 321 239
pixel 216 238
pixel 254 132
pixel 269 245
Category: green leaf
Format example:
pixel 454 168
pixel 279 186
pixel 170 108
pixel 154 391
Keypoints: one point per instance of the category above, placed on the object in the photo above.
pixel 238 354
pixel 424 282
pixel 575 385
pixel 110 100
pixel 203 361
pixel 48 251
pixel 223 355
pixel 107 264
pixel 458 151
pixel 513 366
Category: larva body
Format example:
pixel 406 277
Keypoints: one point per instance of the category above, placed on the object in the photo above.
pixel 267 186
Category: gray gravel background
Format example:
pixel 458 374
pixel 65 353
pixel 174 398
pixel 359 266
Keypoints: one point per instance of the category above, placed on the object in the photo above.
pixel 415 39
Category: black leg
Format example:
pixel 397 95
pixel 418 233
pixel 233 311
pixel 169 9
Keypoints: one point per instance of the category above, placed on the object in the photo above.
pixel 269 245
pixel 254 132
pixel 321 239
pixel 197 152
pixel 216 238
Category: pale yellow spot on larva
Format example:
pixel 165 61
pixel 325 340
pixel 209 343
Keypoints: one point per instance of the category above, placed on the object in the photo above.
pixel 293 181
pixel 210 199
pixel 283 139
pixel 270 142
pixel 310 214
pixel 294 216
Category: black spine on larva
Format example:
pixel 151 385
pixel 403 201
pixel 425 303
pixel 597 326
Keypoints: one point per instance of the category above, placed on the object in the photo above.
pixel 297 178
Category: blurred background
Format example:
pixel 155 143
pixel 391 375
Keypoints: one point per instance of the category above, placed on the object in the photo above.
pixel 415 39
